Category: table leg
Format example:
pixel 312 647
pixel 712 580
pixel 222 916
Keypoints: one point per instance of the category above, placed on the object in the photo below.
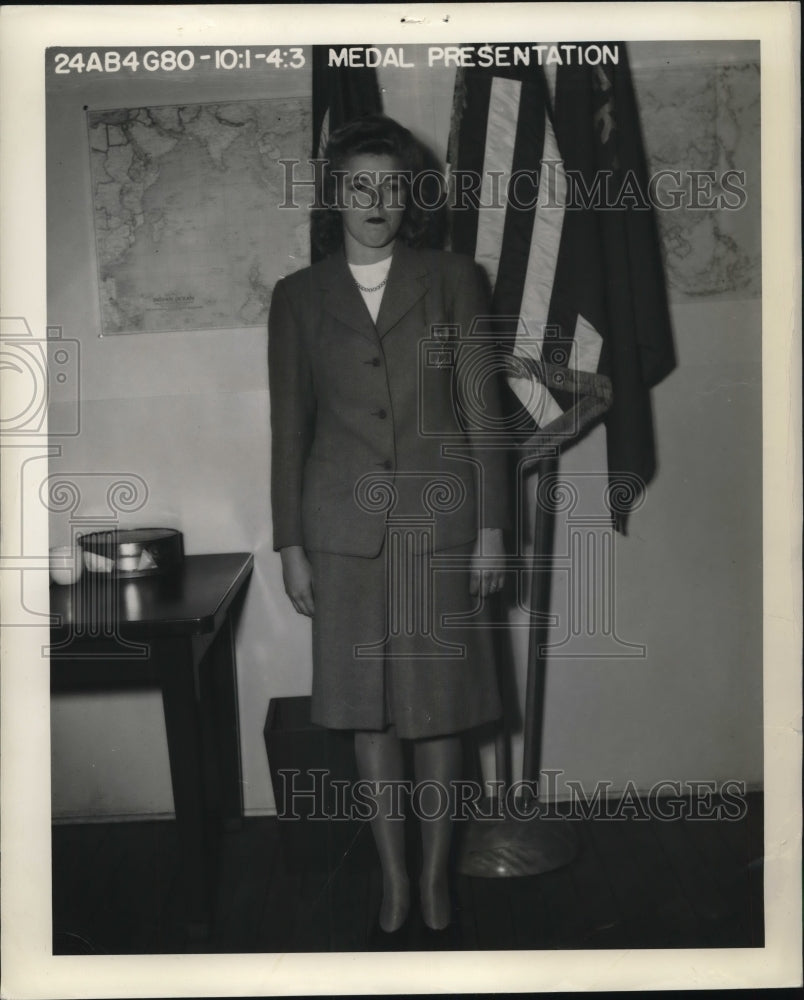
pixel 185 747
pixel 219 689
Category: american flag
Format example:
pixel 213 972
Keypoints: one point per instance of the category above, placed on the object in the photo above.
pixel 535 156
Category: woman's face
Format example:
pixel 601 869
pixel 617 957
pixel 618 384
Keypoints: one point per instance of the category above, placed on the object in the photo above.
pixel 372 206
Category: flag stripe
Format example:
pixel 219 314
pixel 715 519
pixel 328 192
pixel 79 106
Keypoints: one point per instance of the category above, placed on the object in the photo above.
pixel 586 346
pixel 518 232
pixel 547 226
pixel 474 95
pixel 498 161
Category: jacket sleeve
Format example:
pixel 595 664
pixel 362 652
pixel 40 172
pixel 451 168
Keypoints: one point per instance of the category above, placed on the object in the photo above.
pixel 292 418
pixel 479 373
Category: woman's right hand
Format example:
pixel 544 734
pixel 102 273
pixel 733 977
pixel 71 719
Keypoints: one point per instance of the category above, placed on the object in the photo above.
pixel 298 577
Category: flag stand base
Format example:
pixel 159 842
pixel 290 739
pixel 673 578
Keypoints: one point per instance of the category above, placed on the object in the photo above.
pixel 510 846
pixel 524 837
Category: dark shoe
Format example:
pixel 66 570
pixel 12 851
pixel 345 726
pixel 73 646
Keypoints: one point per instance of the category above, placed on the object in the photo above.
pixel 398 940
pixel 448 938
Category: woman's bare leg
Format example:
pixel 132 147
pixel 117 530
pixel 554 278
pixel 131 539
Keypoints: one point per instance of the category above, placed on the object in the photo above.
pixel 379 759
pixel 436 760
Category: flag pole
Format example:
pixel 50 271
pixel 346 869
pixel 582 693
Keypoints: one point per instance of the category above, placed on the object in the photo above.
pixel 541 576
pixel 530 842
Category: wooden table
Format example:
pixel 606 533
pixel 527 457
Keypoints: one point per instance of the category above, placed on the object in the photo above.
pixel 174 632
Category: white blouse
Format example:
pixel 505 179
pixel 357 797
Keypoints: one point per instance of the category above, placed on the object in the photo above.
pixel 369 276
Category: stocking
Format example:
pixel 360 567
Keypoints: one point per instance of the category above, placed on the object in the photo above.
pixel 436 761
pixel 379 759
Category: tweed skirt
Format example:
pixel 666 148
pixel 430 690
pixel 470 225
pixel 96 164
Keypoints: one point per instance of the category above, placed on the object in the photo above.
pixel 398 639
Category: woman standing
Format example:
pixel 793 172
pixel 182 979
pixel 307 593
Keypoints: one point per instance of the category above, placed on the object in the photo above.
pixel 388 500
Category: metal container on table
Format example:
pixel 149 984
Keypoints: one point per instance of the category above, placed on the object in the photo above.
pixel 133 552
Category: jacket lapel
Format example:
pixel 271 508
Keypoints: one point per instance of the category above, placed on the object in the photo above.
pixel 408 281
pixel 342 298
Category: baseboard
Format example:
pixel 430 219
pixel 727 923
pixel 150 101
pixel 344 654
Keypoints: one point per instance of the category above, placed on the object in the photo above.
pixel 69 818
pixel 76 818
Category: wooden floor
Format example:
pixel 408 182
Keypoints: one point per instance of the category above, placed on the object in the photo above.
pixel 634 884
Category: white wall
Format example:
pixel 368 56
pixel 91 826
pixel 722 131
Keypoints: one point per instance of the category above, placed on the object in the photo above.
pixel 189 414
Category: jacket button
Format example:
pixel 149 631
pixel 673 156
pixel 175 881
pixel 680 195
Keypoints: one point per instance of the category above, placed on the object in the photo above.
pixel 374 362
pixel 381 414
pixel 388 465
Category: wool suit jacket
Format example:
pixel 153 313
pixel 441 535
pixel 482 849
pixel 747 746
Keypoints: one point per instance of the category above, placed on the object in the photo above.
pixel 383 422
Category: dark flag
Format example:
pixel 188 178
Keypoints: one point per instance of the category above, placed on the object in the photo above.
pixel 548 169
pixel 340 94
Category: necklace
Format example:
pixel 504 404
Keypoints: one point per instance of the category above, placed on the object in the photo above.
pixel 374 288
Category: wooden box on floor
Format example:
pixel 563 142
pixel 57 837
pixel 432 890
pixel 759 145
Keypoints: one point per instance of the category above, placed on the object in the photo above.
pixel 307 764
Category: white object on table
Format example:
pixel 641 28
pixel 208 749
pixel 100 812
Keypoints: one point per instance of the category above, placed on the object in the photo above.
pixel 66 564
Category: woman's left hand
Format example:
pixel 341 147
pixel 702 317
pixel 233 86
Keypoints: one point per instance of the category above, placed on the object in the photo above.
pixel 487 574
